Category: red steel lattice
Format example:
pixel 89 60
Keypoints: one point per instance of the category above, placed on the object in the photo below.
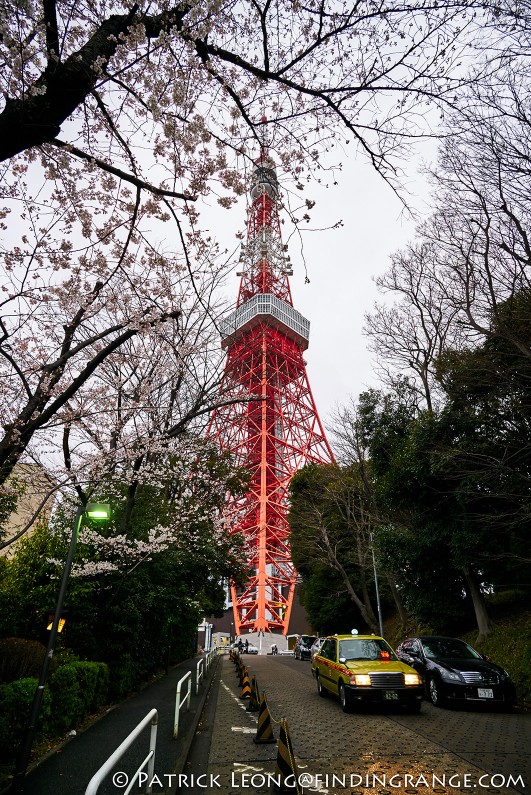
pixel 270 423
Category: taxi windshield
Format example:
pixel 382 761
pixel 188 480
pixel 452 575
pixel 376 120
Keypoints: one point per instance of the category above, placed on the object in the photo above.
pixel 365 649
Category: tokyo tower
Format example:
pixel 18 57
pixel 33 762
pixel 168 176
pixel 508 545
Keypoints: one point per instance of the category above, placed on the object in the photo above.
pixel 272 428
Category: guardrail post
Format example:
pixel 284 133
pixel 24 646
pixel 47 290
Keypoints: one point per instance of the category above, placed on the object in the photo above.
pixel 179 703
pixel 199 672
pixel 105 769
pixel 152 747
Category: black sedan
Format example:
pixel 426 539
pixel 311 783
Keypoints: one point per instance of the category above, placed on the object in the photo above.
pixel 303 646
pixel 455 672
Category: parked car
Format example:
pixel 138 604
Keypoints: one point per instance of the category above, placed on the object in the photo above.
pixel 303 644
pixel 455 672
pixel 364 669
pixel 316 645
pixel 243 649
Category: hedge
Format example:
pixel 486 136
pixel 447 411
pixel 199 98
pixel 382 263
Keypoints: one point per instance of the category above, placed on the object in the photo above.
pixel 126 674
pixel 75 691
pixel 20 658
pixel 16 699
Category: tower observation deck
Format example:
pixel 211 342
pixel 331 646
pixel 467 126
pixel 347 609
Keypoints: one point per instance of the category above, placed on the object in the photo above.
pixel 269 423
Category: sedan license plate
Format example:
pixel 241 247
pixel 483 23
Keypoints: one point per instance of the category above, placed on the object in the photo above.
pixel 485 692
pixel 390 695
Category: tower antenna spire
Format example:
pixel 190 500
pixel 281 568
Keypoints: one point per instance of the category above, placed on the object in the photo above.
pixel 264 146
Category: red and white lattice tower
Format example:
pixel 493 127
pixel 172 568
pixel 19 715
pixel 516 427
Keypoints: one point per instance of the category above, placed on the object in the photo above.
pixel 272 428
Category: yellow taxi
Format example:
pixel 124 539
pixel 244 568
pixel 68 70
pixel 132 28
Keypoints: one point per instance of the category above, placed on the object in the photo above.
pixel 365 669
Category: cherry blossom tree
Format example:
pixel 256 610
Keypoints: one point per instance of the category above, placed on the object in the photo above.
pixel 119 122
pixel 176 68
pixel 134 412
pixel 175 503
pixel 135 594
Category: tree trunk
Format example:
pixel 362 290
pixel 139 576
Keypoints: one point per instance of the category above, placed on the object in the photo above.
pixel 397 599
pixel 368 616
pixel 480 608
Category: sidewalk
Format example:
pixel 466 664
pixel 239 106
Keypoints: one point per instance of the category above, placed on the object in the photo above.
pixel 68 770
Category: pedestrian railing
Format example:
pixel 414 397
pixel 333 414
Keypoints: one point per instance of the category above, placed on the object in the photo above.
pixel 203 665
pixel 186 700
pixel 199 673
pixel 211 655
pixel 149 761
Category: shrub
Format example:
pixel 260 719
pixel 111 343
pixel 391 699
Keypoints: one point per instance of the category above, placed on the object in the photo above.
pixel 93 678
pixel 67 701
pixel 509 645
pixel 126 674
pixel 16 699
pixel 77 689
pixel 20 658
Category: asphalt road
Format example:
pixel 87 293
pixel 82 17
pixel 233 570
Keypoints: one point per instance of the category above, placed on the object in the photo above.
pixel 378 752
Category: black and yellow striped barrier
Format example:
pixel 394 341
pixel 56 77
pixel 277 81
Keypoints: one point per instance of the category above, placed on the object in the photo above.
pixel 246 687
pixel 254 701
pixel 286 769
pixel 264 729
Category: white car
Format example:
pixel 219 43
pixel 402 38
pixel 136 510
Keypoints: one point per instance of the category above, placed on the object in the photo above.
pixel 316 645
pixel 286 651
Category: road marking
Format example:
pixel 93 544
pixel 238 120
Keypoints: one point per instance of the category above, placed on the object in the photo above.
pixel 254 718
pixel 243 768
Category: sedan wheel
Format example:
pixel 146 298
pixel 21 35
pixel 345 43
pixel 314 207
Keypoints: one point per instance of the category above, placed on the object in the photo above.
pixel 320 688
pixel 343 698
pixel 436 693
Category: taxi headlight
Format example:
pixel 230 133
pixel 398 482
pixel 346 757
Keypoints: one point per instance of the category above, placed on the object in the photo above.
pixel 412 679
pixel 361 680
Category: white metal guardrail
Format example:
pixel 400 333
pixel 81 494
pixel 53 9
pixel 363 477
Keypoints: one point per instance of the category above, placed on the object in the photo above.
pixel 105 769
pixel 203 665
pixel 211 655
pixel 199 673
pixel 178 703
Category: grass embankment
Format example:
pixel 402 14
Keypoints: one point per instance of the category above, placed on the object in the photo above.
pixel 508 645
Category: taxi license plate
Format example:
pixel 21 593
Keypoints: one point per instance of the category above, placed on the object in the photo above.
pixel 485 692
pixel 390 695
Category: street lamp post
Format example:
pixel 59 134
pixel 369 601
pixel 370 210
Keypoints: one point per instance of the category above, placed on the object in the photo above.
pixel 378 604
pixel 94 511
